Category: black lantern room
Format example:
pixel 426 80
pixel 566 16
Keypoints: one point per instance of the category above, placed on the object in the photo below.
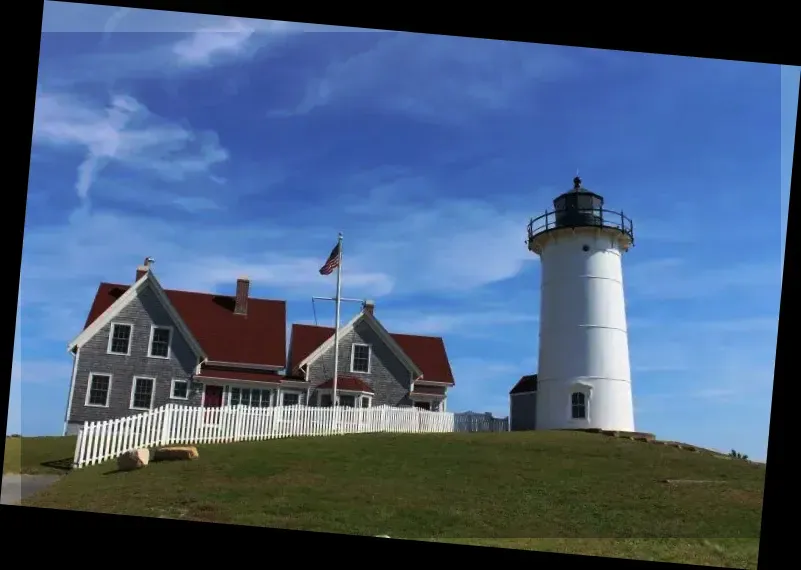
pixel 576 208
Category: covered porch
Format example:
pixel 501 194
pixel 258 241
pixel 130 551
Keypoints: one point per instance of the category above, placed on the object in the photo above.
pixel 429 397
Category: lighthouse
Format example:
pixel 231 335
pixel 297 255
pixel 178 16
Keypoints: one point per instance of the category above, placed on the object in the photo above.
pixel 584 376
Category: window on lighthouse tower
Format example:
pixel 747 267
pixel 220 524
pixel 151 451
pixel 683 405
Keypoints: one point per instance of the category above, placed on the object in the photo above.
pixel 578 405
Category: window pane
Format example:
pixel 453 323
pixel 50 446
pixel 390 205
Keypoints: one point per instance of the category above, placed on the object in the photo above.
pixel 361 358
pixel 120 337
pixel 143 390
pixel 234 396
pixel 161 342
pixel 255 397
pixel 325 400
pixel 290 399
pixel 347 401
pixel 98 390
pixel 180 389
pixel 245 401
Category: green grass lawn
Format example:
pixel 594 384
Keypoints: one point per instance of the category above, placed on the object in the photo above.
pixel 38 455
pixel 601 495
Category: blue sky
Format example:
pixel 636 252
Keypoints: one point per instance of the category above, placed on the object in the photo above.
pixel 222 147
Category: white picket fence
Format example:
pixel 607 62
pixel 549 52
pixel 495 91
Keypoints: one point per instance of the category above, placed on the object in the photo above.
pixel 173 424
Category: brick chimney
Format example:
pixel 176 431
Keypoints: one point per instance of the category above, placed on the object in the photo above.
pixel 144 268
pixel 369 307
pixel 242 292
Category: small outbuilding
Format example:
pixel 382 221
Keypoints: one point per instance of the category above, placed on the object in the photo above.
pixel 523 404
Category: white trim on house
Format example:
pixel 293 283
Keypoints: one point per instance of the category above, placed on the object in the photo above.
pixel 353 357
pixel 75 356
pixel 172 388
pixel 282 393
pixel 133 391
pixel 228 396
pixel 379 329
pixel 215 381
pixel 113 325
pixel 153 328
pixel 148 279
pixel 432 382
pixel 89 390
pixel 293 384
pixel 243 365
pixel 355 393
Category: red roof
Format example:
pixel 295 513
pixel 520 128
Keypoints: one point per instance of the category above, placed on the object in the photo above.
pixel 347 383
pixel 427 352
pixel 525 384
pixel 232 374
pixel 257 338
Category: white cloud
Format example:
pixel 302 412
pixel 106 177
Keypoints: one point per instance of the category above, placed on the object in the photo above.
pixel 436 78
pixel 126 133
pixel 69 17
pixel 476 323
pixel 203 45
pixel 679 279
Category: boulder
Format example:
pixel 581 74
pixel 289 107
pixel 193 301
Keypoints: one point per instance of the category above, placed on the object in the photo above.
pixel 175 453
pixel 135 459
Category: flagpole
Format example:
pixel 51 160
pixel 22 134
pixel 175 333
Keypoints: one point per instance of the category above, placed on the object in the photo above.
pixel 338 300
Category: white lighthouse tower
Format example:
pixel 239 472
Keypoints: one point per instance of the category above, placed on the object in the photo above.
pixel 584 376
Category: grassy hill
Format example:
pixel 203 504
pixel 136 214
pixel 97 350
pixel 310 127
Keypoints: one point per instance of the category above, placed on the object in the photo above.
pixel 602 495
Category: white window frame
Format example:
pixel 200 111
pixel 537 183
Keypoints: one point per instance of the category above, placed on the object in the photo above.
pixel 228 396
pixel 172 389
pixel 150 342
pixel 585 405
pixel 89 389
pixel 112 326
pixel 356 395
pixel 133 391
pixel 284 392
pixel 353 357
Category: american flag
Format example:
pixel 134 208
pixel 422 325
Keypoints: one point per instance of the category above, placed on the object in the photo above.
pixel 332 262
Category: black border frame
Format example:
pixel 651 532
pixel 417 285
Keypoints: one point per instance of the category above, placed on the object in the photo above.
pixel 694 34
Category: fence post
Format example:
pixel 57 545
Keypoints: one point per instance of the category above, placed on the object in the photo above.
pixel 238 423
pixel 166 425
pixel 383 419
pixel 78 446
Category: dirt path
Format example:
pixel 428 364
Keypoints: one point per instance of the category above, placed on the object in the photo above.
pixel 17 487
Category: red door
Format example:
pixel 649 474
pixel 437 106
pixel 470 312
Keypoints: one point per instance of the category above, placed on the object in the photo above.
pixel 214 397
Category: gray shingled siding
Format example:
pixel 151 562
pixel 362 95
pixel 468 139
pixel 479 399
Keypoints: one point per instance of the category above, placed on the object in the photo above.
pixel 141 313
pixel 524 411
pixel 389 378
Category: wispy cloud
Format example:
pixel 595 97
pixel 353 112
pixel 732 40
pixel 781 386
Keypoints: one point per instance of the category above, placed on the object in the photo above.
pixel 678 278
pixel 125 132
pixel 435 78
pixel 475 323
pixel 203 45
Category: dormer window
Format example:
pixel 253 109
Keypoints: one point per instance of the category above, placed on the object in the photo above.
pixel 360 358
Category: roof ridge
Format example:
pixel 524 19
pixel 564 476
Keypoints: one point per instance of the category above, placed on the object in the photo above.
pixel 184 291
pixel 390 333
